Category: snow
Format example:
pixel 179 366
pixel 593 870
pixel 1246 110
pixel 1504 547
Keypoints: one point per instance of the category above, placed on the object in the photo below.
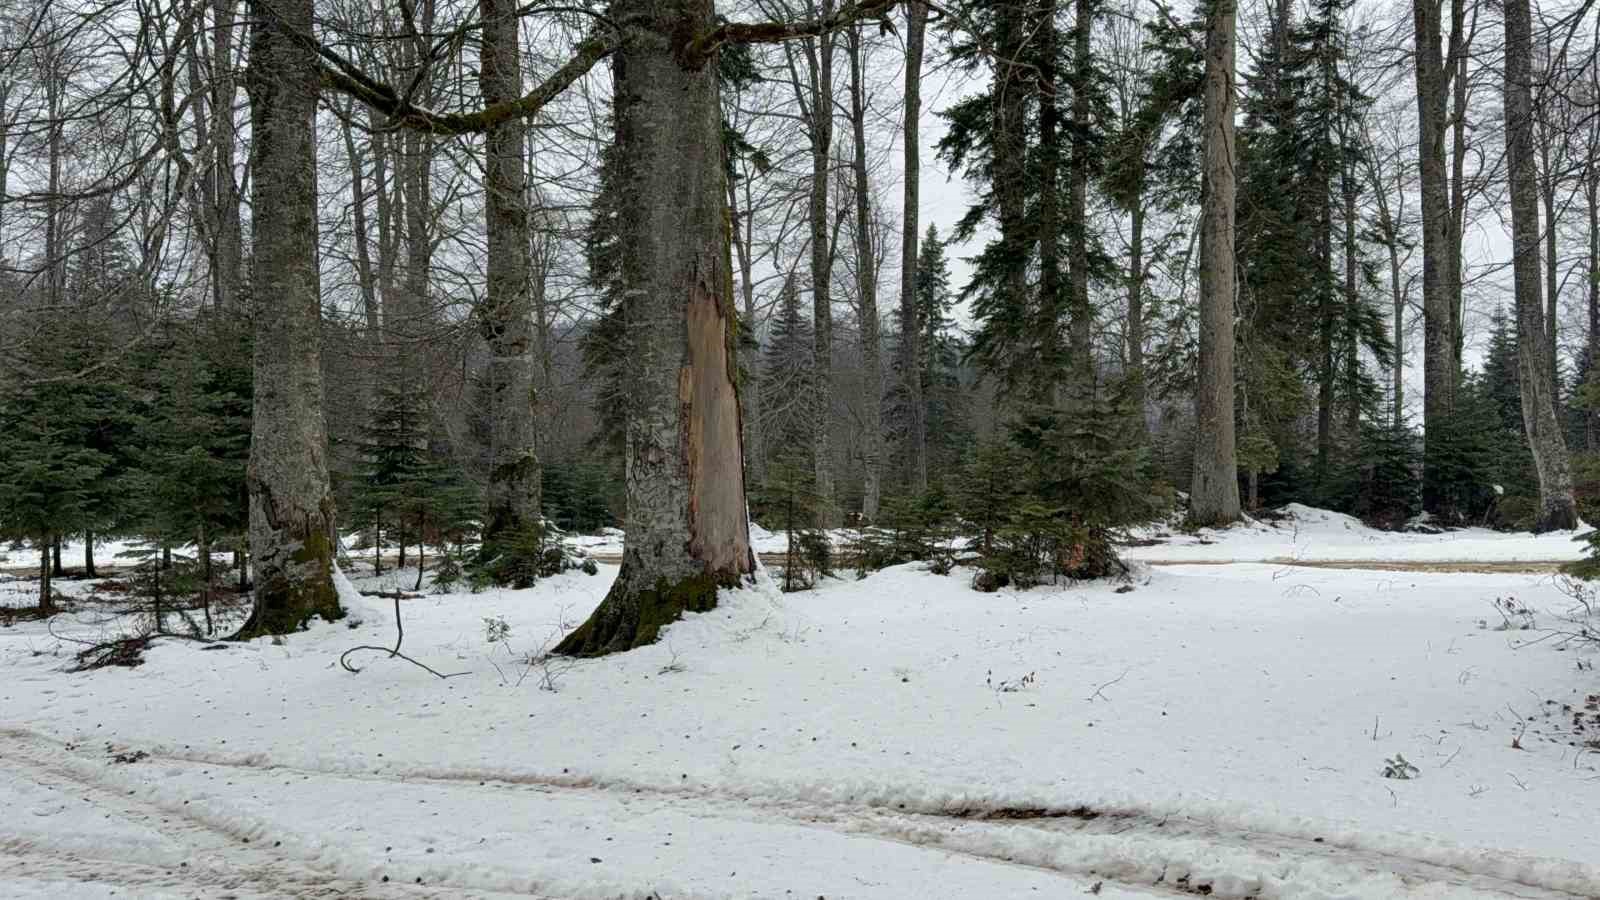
pixel 1304 533
pixel 1221 726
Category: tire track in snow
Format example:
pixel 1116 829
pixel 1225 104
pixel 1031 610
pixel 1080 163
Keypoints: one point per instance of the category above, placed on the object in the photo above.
pixel 1176 855
pixel 220 856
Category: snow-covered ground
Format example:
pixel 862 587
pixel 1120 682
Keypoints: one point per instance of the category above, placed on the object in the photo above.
pixel 1308 534
pixel 1215 730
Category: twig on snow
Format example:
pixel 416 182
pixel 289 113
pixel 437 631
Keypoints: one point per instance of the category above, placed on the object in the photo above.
pixel 399 638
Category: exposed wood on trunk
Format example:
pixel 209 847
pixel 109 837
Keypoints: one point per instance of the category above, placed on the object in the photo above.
pixel 291 511
pixel 1214 494
pixel 687 534
pixel 1537 387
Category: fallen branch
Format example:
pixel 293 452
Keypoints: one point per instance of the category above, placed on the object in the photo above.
pixel 399 638
pixel 392 595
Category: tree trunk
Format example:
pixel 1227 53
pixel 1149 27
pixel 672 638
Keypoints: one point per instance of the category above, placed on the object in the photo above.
pixel 911 349
pixel 506 319
pixel 227 232
pixel 1556 507
pixel 867 286
pixel 742 235
pixel 1438 306
pixel 203 544
pixel 1552 279
pixel 687 533
pixel 1134 334
pixel 55 557
pixel 1214 493
pixel 1012 84
pixel 47 599
pixel 1592 416
pixel 819 54
pixel 88 555
pixel 291 511
pixel 1081 375
pixel 1352 300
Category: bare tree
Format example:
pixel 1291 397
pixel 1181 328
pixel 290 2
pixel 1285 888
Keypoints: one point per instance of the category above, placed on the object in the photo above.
pixel 1535 379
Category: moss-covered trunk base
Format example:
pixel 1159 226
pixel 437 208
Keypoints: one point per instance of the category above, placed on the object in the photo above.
pixel 289 596
pixel 631 616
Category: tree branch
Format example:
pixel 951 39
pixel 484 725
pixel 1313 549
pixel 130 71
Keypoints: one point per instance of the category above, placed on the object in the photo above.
pixel 701 48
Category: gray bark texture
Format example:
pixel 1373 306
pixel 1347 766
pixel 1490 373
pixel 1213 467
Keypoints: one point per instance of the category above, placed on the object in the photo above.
pixel 1439 368
pixel 687 532
pixel 1556 507
pixel 291 511
pixel 867 286
pixel 911 348
pixel 819 57
pixel 506 317
pixel 1214 492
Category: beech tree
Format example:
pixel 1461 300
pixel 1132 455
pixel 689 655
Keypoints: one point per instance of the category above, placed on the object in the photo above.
pixel 1214 495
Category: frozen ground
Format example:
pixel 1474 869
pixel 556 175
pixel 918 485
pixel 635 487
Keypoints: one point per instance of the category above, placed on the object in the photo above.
pixel 1216 730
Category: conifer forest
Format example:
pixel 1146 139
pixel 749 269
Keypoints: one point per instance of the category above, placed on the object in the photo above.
pixel 1114 447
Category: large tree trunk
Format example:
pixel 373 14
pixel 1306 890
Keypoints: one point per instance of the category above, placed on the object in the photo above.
pixel 1214 493
pixel 506 317
pixel 1009 155
pixel 867 286
pixel 1438 307
pixel 819 106
pixel 88 555
pixel 687 533
pixel 911 348
pixel 1556 507
pixel 291 511
pixel 1080 367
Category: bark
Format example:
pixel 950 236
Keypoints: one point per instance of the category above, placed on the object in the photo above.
pixel 1455 224
pixel 911 349
pixel 47 598
pixel 5 157
pixel 291 511
pixel 867 288
pixel 55 556
pixel 366 278
pixel 227 260
pixel 88 554
pixel 1214 493
pixel 1591 418
pixel 1552 277
pixel 819 56
pixel 1556 506
pixel 1008 155
pixel 1352 301
pixel 1080 381
pixel 506 318
pixel 742 235
pixel 1439 253
pixel 1054 299
pixel 687 534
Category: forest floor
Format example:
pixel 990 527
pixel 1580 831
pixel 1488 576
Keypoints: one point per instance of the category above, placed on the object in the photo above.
pixel 1201 729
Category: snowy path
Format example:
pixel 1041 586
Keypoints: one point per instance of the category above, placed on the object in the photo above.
pixel 221 834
